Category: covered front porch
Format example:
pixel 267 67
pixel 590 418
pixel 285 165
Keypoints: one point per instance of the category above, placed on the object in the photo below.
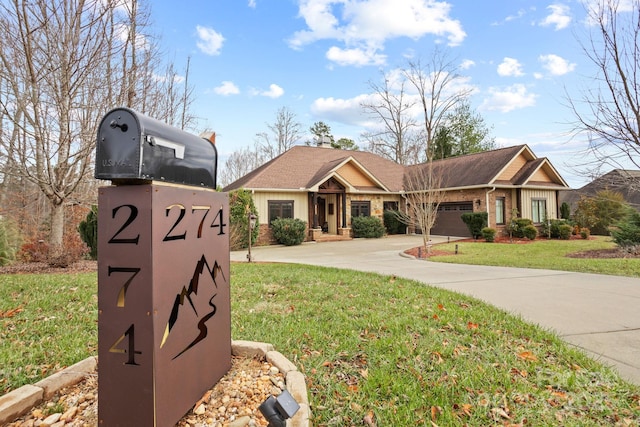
pixel 328 212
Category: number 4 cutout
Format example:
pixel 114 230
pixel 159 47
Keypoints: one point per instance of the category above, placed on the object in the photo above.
pixel 130 350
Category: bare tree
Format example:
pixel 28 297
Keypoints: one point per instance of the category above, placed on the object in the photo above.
pixel 285 133
pixel 240 163
pixel 608 111
pixel 423 194
pixel 440 89
pixel 392 107
pixel 63 64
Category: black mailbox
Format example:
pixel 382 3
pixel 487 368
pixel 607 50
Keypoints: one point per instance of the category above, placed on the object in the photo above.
pixel 133 147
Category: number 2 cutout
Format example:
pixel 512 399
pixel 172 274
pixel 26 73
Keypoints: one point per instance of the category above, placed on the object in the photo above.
pixel 133 214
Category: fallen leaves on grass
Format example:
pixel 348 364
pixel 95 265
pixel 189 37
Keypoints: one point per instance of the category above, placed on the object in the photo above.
pixel 10 313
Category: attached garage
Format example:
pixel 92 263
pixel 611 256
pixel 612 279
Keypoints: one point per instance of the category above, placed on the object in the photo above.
pixel 448 221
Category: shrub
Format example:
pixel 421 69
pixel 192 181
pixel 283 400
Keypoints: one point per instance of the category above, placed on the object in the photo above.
pixel 626 233
pixel 288 231
pixel 585 233
pixel 601 211
pixel 392 223
pixel 35 249
pixel 88 230
pixel 9 241
pixel 552 228
pixel 530 232
pixel 564 231
pixel 489 234
pixel 475 222
pixel 240 204
pixel 367 227
pixel 518 225
pixel 565 210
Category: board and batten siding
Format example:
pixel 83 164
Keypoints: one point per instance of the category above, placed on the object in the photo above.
pixel 548 195
pixel 300 204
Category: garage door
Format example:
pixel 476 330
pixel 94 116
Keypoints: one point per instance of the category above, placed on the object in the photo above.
pixel 448 221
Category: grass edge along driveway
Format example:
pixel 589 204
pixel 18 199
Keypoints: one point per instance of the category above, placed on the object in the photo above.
pixel 390 350
pixel 541 254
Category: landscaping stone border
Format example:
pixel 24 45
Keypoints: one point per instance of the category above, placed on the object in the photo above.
pixel 20 401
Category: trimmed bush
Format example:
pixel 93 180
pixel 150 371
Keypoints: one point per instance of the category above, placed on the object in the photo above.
pixel 530 232
pixel 88 230
pixel 565 210
pixel 367 227
pixel 489 234
pixel 552 227
pixel 585 233
pixel 626 232
pixel 519 224
pixel 288 231
pixel 392 223
pixel 564 231
pixel 475 222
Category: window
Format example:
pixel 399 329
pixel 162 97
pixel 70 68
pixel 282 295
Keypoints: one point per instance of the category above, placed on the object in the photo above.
pixel 390 206
pixel 280 209
pixel 538 210
pixel 500 210
pixel 359 208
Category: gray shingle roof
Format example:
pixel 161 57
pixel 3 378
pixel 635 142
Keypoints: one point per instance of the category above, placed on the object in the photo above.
pixel 303 167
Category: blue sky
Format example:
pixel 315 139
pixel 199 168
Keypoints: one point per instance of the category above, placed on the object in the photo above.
pixel 251 57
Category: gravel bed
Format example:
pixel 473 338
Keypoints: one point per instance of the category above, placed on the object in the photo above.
pixel 232 402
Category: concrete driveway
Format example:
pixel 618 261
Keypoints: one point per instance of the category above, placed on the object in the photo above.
pixel 597 313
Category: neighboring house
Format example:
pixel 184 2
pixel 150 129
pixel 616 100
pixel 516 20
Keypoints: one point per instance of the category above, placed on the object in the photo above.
pixel 326 187
pixel 625 182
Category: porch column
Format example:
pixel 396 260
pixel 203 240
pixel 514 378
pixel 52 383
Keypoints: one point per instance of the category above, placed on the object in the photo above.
pixel 315 209
pixel 344 210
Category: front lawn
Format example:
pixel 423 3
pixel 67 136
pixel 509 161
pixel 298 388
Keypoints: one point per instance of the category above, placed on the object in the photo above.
pixel 393 351
pixel 541 253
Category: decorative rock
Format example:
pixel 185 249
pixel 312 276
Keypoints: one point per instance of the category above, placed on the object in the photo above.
pixel 240 422
pixel 282 363
pixel 71 412
pixel 200 410
pixel 51 420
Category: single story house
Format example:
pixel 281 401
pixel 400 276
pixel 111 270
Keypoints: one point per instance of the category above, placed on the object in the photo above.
pixel 326 187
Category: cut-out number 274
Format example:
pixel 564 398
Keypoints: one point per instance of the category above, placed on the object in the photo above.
pixel 178 232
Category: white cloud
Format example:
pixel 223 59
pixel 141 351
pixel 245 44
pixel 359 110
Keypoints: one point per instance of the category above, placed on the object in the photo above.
pixel 346 111
pixel 510 67
pixel 511 98
pixel 357 57
pixel 466 64
pixel 365 25
pixel 210 40
pixel 274 91
pixel 559 18
pixel 252 4
pixel 227 88
pixel 556 65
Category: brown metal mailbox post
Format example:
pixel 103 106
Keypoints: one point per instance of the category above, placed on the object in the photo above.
pixel 164 322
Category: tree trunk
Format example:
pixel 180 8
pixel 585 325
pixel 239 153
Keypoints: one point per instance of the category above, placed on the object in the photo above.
pixel 57 228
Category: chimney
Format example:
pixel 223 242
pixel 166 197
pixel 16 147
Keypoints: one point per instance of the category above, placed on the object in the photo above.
pixel 324 141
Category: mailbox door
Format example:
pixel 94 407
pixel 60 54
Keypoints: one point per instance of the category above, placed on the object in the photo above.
pixel 118 146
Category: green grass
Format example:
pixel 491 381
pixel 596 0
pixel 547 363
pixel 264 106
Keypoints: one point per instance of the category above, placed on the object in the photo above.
pixel 369 345
pixel 548 254
pixel 47 322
